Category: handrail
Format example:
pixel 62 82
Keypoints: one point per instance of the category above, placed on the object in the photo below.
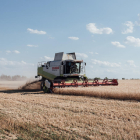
pixel 40 63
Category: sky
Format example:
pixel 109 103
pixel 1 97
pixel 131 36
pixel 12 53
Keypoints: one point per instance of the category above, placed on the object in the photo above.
pixel 105 34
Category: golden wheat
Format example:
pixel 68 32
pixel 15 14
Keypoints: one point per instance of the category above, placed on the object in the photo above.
pixel 74 117
pixel 126 90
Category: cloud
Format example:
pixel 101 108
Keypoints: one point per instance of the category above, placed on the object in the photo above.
pixel 50 37
pixel 138 22
pixel 7 52
pixel 82 55
pixel 105 63
pixel 131 63
pixel 47 58
pixel 130 26
pixel 23 62
pixel 35 31
pixel 91 52
pixel 111 71
pixel 32 45
pixel 73 38
pixel 139 16
pixel 15 51
pixel 93 29
pixel 117 44
pixel 5 62
pixel 133 41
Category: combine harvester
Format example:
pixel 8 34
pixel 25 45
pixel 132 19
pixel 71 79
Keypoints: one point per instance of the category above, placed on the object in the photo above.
pixel 67 71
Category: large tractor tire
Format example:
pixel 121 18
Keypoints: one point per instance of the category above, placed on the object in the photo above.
pixel 42 85
pixel 44 88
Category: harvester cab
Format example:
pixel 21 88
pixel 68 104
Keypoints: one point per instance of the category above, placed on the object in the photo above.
pixel 64 71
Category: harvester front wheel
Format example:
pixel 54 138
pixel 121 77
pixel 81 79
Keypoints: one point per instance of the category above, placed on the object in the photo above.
pixel 46 90
pixel 42 85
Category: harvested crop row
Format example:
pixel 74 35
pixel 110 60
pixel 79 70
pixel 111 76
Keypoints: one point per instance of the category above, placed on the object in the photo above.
pixel 122 92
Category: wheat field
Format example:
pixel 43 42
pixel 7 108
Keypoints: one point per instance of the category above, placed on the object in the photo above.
pixel 126 90
pixel 35 115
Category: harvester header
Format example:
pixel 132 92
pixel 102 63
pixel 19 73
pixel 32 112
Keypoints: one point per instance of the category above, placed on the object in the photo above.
pixel 66 71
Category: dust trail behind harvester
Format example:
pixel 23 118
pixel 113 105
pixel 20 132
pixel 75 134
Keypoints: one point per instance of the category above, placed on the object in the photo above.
pixel 29 85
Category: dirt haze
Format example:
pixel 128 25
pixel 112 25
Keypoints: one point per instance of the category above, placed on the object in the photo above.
pixel 29 85
pixel 11 84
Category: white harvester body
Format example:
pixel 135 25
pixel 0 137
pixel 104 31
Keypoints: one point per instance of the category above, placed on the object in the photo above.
pixel 64 65
pixel 66 71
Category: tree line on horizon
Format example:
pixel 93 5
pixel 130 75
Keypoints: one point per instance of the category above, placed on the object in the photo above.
pixel 12 78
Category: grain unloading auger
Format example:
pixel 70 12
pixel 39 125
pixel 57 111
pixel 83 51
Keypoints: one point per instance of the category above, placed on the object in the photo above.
pixel 67 71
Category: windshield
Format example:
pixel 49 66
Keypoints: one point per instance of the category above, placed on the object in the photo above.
pixel 72 67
